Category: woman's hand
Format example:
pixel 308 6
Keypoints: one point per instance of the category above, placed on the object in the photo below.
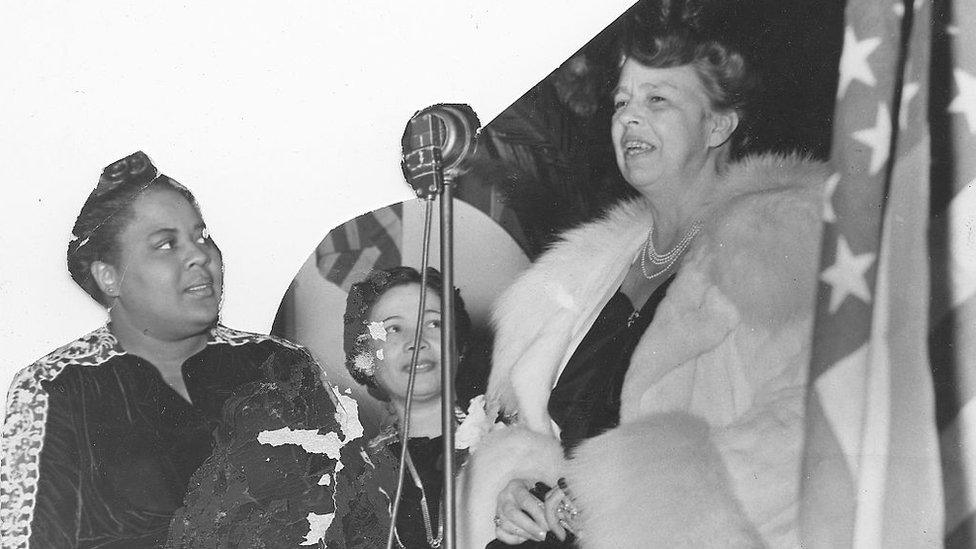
pixel 519 516
pixel 561 513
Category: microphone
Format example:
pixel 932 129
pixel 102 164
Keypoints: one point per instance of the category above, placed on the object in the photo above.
pixel 436 144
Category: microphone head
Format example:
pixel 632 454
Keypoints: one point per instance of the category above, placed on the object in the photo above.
pixel 441 136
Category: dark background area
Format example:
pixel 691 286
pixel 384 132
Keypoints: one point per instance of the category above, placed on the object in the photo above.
pixel 548 157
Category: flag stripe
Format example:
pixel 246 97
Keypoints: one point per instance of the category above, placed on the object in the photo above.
pixel 953 338
pixel 963 535
pixel 827 486
pixel 911 500
pixel 369 241
pixel 959 461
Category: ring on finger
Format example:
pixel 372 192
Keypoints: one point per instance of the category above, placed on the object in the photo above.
pixel 514 530
pixel 566 508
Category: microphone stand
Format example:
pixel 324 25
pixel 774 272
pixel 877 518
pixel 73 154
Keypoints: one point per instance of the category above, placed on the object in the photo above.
pixel 449 357
pixel 431 133
pixel 443 188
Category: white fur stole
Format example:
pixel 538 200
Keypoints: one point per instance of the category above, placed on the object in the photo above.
pixel 712 402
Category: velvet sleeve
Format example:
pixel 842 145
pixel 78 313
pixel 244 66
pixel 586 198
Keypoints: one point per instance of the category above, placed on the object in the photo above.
pixel 58 501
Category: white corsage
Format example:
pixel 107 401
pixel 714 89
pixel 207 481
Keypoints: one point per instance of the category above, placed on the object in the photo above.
pixel 475 425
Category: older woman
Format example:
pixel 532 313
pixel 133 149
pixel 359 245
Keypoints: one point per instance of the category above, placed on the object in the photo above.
pixel 663 347
pixel 102 435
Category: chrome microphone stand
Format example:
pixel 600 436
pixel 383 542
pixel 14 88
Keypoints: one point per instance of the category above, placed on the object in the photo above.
pixel 436 143
pixel 449 359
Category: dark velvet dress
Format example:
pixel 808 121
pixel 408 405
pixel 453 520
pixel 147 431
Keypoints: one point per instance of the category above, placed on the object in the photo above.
pixel 98 449
pixel 287 470
pixel 426 454
pixel 586 399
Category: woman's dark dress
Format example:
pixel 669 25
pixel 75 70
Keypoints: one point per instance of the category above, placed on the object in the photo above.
pixel 586 399
pixel 426 455
pixel 98 448
pixel 428 458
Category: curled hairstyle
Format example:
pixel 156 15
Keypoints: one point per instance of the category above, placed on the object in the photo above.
pixel 676 33
pixel 366 293
pixel 106 214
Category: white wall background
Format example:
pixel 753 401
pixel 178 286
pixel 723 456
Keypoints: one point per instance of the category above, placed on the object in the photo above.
pixel 283 118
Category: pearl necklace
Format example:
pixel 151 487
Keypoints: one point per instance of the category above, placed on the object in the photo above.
pixel 649 254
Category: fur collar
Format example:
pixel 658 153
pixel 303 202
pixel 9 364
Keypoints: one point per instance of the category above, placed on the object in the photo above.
pixel 751 268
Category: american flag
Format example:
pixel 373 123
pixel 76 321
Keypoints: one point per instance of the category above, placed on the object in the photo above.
pixel 375 240
pixel 890 452
pixel 356 247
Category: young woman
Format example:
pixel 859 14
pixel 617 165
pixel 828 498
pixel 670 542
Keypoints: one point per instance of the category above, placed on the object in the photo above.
pixel 380 322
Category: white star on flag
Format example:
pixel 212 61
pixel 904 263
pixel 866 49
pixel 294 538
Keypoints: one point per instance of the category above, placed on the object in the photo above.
pixel 965 102
pixel 828 206
pixel 854 61
pixel 908 92
pixel 846 275
pixel 878 138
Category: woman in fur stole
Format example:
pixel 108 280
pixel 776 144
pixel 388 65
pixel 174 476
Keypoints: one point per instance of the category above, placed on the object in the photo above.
pixel 662 392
